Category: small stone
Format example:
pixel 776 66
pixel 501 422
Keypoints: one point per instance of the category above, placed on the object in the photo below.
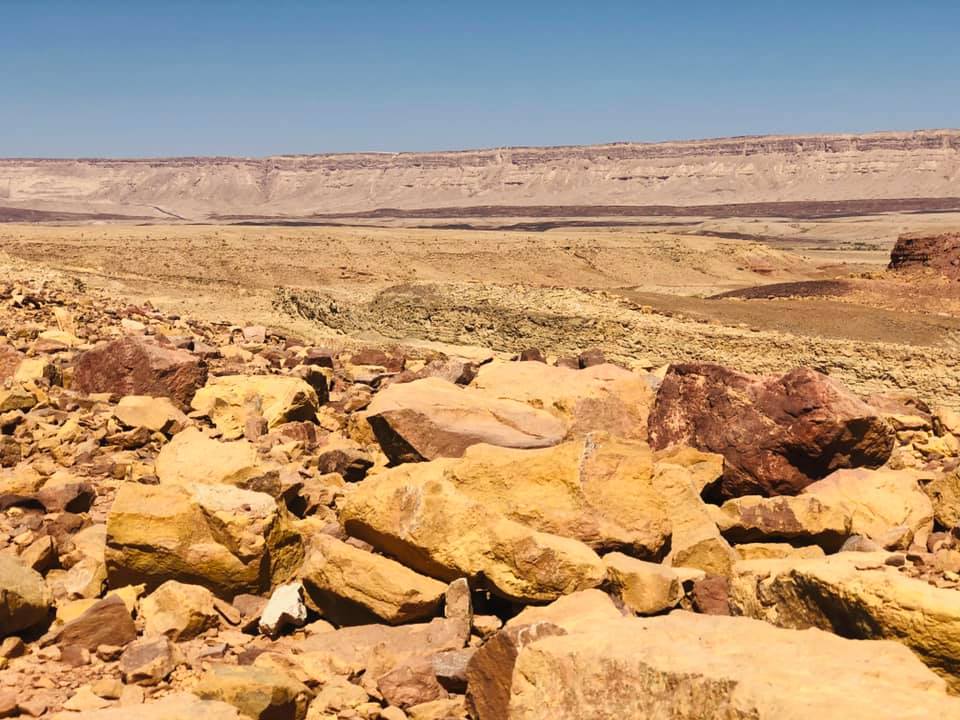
pixel 108 688
pixel 12 647
pixel 34 707
pixel 392 713
pixel 75 656
pixel 457 602
pixel 85 699
pixel 109 653
pixel 711 595
pixel 131 695
pixel 486 625
pixel 149 661
pixel 285 608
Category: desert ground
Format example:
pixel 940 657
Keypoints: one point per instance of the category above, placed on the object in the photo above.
pixel 644 294
pixel 467 436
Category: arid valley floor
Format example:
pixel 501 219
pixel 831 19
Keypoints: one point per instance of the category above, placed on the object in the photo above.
pixel 628 431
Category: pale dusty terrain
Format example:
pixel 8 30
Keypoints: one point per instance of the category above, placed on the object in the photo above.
pixel 640 295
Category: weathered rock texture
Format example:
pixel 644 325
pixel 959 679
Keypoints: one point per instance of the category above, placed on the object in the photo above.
pixel 134 366
pixel 777 434
pixel 750 169
pixel 939 253
pixel 855 595
pixel 692 667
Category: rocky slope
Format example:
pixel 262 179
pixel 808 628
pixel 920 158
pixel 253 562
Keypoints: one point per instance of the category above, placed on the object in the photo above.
pixel 216 522
pixel 923 164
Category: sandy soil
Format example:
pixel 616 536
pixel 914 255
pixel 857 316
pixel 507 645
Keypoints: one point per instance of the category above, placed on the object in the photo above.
pixel 640 294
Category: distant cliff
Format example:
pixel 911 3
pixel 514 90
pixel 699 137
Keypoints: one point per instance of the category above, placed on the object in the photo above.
pixel 922 164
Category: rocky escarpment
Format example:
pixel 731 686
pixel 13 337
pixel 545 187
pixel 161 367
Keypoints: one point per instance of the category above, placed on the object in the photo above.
pixel 923 164
pixel 916 251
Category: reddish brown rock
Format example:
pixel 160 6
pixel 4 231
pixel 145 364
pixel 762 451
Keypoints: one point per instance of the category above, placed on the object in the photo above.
pixel 711 595
pixel 917 251
pixel 411 684
pixel 777 434
pixel 108 622
pixel 135 366
pixel 490 671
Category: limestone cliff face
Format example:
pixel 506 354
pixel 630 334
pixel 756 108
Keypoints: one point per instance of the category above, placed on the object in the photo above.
pixel 923 164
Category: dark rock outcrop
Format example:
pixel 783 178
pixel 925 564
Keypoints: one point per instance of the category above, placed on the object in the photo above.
pixel 777 434
pixel 917 251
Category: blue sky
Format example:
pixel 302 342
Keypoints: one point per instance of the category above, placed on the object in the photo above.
pixel 99 78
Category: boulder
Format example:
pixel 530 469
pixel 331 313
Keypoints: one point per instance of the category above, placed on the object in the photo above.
pixel 490 671
pixel 348 584
pixel 602 397
pixel 776 434
pixel 855 595
pixel 259 693
pixel 136 366
pixel 374 650
pixel 231 400
pixel 696 541
pixel 869 503
pixel 943 489
pixel 228 540
pixel 432 418
pixel 172 707
pixel 691 667
pixel 158 414
pixel 106 622
pixel 179 611
pixel 596 489
pixel 432 527
pixel 192 457
pixel 644 588
pixel 25 600
pixel 803 519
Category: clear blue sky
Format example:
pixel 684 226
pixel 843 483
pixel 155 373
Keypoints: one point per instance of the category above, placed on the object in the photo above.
pixel 139 78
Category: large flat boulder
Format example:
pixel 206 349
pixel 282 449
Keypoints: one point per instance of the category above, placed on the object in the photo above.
pixel 694 667
pixel 430 526
pixel 158 414
pixel 192 457
pixel 776 434
pixel 136 366
pixel 433 418
pixel 347 583
pixel 231 400
pixel 855 595
pixel 224 538
pixel 870 503
pixel 597 489
pixel 602 397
